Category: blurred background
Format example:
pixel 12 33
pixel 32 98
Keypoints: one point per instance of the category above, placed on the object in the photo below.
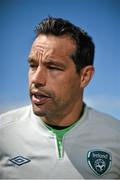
pixel 100 18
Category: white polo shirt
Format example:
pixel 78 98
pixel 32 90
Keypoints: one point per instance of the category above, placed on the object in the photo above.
pixel 29 150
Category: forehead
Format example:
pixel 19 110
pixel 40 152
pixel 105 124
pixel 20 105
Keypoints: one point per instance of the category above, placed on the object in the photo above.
pixel 53 45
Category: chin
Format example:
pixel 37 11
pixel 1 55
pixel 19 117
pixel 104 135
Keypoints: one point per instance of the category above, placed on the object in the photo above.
pixel 38 111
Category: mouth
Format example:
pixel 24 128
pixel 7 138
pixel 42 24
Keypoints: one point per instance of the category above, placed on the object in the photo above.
pixel 39 98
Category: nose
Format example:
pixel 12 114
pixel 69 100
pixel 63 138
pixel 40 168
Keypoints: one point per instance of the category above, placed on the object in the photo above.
pixel 39 77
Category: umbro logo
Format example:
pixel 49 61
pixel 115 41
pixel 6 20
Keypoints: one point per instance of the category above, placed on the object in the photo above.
pixel 19 160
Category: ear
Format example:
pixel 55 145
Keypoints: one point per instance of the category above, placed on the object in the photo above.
pixel 86 75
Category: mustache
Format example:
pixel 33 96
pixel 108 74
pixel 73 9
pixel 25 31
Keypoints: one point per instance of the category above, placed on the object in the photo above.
pixel 40 90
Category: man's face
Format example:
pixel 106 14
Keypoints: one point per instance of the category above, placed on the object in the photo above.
pixel 53 81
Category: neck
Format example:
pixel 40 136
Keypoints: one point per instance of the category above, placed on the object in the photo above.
pixel 64 127
pixel 67 119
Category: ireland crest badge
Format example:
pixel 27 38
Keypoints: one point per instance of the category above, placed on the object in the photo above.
pixel 99 161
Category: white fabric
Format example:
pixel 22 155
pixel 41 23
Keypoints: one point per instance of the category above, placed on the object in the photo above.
pixel 24 134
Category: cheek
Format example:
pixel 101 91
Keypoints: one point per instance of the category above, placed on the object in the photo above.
pixel 67 87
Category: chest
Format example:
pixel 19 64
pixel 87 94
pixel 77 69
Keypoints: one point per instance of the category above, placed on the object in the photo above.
pixel 38 157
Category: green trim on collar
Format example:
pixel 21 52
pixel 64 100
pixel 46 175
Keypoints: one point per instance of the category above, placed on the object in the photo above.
pixel 59 133
pixel 59 136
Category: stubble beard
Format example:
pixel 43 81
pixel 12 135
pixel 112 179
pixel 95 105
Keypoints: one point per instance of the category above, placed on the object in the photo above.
pixel 52 112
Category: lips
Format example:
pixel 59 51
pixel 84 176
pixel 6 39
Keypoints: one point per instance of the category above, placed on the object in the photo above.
pixel 39 98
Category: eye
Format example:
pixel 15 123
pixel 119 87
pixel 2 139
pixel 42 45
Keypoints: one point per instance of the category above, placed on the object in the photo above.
pixel 55 68
pixel 33 66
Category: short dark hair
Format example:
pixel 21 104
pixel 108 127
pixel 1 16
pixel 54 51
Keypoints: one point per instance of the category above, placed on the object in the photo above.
pixel 84 54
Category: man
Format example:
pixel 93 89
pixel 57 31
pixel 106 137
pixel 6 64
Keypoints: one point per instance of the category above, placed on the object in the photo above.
pixel 59 137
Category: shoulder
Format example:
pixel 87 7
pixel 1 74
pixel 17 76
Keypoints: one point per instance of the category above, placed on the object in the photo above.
pixel 14 116
pixel 101 115
pixel 102 120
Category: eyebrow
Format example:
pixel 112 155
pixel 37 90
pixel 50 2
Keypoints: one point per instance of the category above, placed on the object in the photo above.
pixel 31 60
pixel 48 62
